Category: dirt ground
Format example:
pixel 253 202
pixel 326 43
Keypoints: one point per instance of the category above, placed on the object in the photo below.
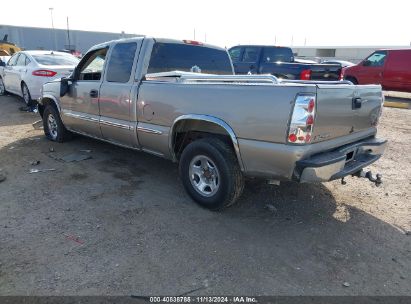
pixel 120 223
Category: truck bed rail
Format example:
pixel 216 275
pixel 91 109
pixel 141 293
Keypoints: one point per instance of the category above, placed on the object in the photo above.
pixel 187 77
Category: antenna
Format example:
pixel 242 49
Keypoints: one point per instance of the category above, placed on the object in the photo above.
pixel 68 34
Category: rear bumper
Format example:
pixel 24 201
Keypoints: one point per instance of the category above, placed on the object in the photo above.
pixel 336 164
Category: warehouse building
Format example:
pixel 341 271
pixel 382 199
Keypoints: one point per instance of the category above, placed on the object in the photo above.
pixel 34 38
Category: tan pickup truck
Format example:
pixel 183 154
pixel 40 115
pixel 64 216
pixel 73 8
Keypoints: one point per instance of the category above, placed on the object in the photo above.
pixel 180 100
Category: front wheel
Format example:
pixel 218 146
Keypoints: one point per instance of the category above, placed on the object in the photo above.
pixel 53 126
pixel 210 173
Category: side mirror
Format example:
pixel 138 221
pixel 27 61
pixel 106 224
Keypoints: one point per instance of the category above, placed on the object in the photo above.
pixel 2 63
pixel 65 85
pixel 366 63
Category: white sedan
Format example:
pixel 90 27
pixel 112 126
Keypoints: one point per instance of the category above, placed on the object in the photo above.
pixel 27 71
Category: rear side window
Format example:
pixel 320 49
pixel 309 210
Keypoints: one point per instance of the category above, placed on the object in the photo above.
pixel 121 62
pixel 22 60
pixel 167 57
pixel 277 54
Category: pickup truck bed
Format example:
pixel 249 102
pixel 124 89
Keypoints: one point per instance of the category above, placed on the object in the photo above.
pixel 219 128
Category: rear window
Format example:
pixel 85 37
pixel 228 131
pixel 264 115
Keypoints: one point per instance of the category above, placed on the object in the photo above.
pixel 55 59
pixel 277 54
pixel 167 57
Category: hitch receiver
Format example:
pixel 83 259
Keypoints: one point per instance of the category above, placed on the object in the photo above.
pixel 376 180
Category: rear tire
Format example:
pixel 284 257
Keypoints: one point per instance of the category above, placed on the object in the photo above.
pixel 2 87
pixel 26 94
pixel 53 126
pixel 211 174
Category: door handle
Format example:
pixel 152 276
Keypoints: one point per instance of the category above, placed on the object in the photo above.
pixel 356 103
pixel 94 93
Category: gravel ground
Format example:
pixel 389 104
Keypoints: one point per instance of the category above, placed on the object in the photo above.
pixel 120 223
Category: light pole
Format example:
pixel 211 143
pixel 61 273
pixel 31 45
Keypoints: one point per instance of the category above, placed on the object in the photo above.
pixel 52 25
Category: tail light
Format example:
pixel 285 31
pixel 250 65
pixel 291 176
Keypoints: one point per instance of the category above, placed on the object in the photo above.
pixel 305 75
pixel 302 120
pixel 342 72
pixel 44 73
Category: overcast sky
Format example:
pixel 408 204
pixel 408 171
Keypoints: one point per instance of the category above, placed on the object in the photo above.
pixel 227 22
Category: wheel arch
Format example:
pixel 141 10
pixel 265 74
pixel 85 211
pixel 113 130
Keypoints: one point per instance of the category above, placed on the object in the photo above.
pixel 205 124
pixel 45 100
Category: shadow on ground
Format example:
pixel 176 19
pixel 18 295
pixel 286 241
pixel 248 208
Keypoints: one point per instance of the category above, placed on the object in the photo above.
pixel 121 224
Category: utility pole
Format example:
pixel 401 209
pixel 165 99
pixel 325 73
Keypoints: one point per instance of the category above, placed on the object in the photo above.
pixel 52 25
pixel 194 34
pixel 68 34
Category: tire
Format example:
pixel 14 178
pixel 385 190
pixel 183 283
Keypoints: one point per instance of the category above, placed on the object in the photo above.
pixel 26 94
pixel 2 87
pixel 221 184
pixel 53 126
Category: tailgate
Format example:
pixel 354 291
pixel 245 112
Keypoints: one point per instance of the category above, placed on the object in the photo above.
pixel 346 109
pixel 325 72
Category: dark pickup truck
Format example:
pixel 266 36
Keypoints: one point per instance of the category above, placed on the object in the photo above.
pixel 279 61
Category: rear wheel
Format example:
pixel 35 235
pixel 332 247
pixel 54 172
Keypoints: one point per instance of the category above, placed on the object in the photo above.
pixel 2 87
pixel 210 173
pixel 53 126
pixel 26 94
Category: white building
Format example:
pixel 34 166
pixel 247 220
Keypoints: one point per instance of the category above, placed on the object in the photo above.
pixel 350 53
pixel 35 38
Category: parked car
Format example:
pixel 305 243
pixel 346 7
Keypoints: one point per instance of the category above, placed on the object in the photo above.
pixel 27 71
pixel 219 128
pixel 342 63
pixel 390 68
pixel 280 62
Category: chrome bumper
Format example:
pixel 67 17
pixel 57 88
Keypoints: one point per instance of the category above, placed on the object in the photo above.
pixel 336 164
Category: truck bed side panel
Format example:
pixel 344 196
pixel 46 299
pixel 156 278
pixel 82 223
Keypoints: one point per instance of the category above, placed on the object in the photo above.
pixel 234 104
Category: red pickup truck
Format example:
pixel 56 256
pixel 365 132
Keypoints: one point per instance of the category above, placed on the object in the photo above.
pixel 390 68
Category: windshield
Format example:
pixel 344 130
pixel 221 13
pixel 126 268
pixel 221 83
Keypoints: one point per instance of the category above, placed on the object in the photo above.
pixel 167 57
pixel 56 59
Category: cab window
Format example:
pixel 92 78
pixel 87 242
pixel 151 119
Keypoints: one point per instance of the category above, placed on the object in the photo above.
pixel 121 62
pixel 91 67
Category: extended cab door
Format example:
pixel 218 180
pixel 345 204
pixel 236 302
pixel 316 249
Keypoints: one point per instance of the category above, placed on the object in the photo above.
pixel 371 69
pixel 115 94
pixel 80 106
